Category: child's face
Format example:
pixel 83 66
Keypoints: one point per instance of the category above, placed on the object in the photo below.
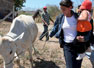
pixel 65 10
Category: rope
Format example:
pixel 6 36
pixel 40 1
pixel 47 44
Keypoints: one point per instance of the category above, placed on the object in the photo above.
pixel 9 62
pixel 36 51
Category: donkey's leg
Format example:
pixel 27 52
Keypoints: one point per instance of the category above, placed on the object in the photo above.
pixel 30 53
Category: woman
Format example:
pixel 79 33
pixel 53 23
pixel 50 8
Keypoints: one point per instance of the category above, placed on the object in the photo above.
pixel 65 30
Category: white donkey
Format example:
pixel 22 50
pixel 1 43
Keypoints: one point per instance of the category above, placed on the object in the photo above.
pixel 20 38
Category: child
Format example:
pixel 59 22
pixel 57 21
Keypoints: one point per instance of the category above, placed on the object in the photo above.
pixel 84 18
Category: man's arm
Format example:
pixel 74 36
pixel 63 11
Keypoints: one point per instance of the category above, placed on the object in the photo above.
pixel 44 22
pixel 42 16
pixel 51 20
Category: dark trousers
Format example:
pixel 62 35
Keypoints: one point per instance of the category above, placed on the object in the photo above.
pixel 70 57
pixel 45 33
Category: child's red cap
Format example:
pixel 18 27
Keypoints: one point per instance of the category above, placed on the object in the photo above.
pixel 87 4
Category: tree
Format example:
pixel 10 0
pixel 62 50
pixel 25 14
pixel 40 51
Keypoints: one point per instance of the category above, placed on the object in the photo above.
pixel 53 10
pixel 19 4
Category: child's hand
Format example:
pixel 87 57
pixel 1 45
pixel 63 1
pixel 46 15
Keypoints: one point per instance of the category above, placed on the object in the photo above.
pixel 80 38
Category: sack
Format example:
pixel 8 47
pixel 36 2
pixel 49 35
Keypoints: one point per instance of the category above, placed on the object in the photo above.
pixel 83 26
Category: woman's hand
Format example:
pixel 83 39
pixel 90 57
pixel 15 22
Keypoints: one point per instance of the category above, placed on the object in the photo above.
pixel 80 38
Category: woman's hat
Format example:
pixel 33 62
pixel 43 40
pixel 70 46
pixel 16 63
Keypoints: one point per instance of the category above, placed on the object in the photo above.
pixel 87 4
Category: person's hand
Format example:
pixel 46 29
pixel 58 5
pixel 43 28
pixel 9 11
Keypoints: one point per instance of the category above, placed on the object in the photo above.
pixel 80 38
pixel 53 22
pixel 46 24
